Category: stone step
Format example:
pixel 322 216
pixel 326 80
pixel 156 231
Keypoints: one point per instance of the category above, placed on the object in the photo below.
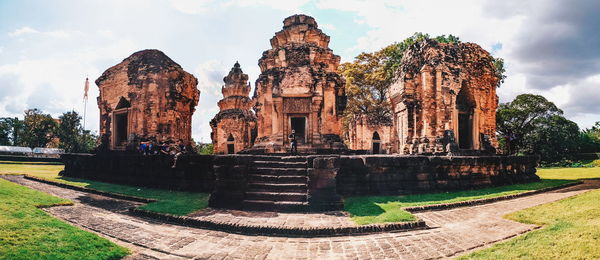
pixel 282 158
pixel 276 196
pixel 279 206
pixel 277 178
pixel 279 171
pixel 277 187
pixel 278 164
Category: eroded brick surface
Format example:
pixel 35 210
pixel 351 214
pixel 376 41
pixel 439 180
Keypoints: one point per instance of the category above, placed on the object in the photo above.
pixel 455 232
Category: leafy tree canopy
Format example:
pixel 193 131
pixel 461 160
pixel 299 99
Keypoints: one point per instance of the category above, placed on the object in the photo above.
pixel 39 128
pixel 530 124
pixel 73 138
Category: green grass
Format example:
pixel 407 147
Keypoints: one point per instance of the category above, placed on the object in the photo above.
pixel 569 173
pixel 572 231
pixel 378 209
pixel 27 232
pixel 31 168
pixel 171 202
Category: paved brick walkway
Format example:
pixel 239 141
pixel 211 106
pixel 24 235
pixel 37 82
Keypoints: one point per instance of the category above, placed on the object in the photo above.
pixel 457 231
pixel 275 219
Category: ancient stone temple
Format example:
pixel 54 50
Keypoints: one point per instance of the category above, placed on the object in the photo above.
pixel 234 125
pixel 372 139
pixel 299 89
pixel 445 99
pixel 147 96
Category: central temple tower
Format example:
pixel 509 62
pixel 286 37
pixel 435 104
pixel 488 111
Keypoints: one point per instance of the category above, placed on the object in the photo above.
pixel 299 89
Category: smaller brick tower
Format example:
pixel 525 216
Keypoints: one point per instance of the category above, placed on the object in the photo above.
pixel 233 126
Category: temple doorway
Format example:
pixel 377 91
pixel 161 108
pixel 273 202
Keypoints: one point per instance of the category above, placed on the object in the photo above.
pixel 121 128
pixel 298 124
pixel 230 144
pixel 465 120
pixel 120 125
pixel 376 148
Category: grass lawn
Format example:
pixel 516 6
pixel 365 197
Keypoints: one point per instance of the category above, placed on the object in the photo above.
pixel 569 173
pixel 27 232
pixel 379 209
pixel 572 231
pixel 171 202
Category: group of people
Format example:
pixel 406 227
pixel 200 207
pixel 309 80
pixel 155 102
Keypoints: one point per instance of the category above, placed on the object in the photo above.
pixel 149 147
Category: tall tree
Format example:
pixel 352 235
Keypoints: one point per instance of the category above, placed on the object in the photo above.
pixel 590 139
pixel 68 132
pixel 554 138
pixel 72 136
pixel 39 128
pixel 11 130
pixel 516 119
pixel 530 124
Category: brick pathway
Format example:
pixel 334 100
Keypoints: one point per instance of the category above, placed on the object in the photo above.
pixel 276 219
pixel 456 231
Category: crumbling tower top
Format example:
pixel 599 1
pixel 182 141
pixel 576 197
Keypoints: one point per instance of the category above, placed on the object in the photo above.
pixel 300 29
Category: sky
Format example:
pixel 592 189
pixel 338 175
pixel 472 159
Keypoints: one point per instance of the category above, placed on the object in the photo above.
pixel 48 48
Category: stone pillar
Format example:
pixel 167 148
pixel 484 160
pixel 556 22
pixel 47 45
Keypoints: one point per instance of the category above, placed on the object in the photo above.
pixel 475 129
pixel 315 132
pixel 322 191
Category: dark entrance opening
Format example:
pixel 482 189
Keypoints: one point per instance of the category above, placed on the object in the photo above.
pixel 230 144
pixel 376 143
pixel 465 106
pixel 299 126
pixel 121 129
pixel 464 131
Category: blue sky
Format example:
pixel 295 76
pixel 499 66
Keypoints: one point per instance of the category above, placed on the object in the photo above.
pixel 47 48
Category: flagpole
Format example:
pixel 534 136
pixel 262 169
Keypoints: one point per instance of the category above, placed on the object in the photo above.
pixel 84 111
pixel 85 98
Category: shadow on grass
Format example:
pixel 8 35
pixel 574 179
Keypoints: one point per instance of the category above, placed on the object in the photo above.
pixel 170 202
pixel 362 206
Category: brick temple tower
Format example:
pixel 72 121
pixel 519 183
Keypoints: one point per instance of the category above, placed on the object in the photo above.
pixel 146 96
pixel 443 90
pixel 299 89
pixel 233 126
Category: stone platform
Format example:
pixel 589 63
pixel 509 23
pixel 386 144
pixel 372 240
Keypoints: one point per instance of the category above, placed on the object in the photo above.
pixel 313 183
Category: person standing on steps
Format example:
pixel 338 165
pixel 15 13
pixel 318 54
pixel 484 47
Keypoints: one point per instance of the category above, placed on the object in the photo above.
pixel 294 142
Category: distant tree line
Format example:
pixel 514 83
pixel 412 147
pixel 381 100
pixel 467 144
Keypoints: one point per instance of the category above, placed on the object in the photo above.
pixel 41 130
pixel 530 124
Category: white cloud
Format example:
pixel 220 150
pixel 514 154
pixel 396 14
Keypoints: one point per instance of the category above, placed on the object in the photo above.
pixel 203 6
pixel 53 82
pixel 191 6
pixel 210 80
pixel 21 31
pixel 327 26
pixel 288 5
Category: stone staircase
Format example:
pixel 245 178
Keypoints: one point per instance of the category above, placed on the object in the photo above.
pixel 277 183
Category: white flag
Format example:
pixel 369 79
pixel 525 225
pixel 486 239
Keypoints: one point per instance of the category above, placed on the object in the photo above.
pixel 86 88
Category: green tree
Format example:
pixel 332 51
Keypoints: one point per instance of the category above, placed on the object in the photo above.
pixel 204 149
pixel 554 138
pixel 68 131
pixel 530 124
pixel 590 139
pixel 72 136
pixel 499 70
pixel 39 128
pixel 11 130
